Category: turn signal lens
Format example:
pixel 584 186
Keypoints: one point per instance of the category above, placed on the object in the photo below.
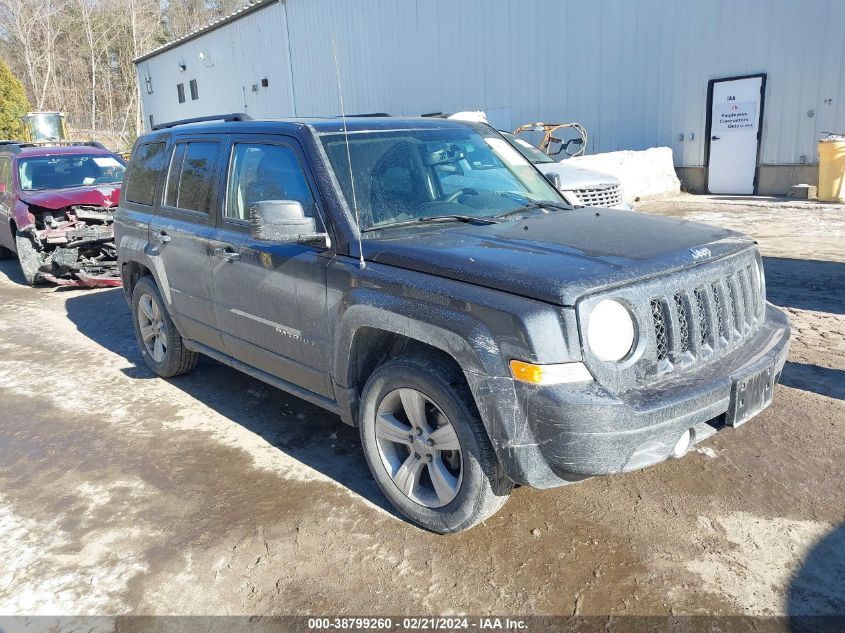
pixel 550 374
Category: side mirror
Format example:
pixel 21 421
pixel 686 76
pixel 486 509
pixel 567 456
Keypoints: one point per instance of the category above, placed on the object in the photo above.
pixel 554 179
pixel 284 221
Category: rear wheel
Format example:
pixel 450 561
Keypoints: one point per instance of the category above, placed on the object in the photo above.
pixel 161 345
pixel 29 258
pixel 426 445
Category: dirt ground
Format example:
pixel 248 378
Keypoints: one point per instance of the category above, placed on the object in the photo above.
pixel 215 494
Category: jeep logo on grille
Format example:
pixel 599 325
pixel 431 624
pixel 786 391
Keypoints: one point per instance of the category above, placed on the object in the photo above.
pixel 698 253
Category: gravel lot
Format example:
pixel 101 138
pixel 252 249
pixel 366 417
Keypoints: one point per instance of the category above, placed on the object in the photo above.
pixel 215 494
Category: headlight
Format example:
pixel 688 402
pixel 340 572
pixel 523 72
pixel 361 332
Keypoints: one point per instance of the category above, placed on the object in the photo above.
pixel 610 330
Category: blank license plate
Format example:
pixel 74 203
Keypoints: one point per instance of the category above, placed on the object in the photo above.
pixel 750 395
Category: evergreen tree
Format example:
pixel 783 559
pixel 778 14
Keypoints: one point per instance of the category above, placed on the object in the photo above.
pixel 13 104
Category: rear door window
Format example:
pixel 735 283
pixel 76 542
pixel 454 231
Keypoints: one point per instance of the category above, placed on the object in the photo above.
pixel 142 176
pixel 190 179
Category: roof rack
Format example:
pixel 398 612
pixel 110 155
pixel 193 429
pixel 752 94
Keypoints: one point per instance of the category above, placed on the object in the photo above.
pixel 23 144
pixel 226 118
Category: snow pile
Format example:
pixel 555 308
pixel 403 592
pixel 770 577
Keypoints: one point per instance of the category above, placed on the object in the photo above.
pixel 649 172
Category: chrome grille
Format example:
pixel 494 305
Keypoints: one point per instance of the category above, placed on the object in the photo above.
pixel 717 311
pixel 733 309
pixel 703 321
pixel 715 315
pixel 746 288
pixel 688 318
pixel 683 326
pixel 600 196
pixel 754 283
pixel 660 334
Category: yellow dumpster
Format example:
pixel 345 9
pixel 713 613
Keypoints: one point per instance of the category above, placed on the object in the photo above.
pixel 832 169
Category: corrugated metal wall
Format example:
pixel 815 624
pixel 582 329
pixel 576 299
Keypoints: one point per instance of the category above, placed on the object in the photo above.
pixel 236 57
pixel 635 73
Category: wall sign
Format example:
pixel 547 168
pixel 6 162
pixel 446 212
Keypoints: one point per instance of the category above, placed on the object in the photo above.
pixel 735 116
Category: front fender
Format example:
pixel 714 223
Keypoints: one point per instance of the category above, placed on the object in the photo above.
pixel 23 218
pixel 453 327
pixel 462 337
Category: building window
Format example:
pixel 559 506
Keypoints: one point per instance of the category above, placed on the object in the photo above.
pixel 152 122
pixel 195 93
pixel 180 89
pixel 148 81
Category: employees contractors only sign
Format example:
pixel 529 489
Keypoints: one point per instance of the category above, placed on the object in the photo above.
pixel 735 116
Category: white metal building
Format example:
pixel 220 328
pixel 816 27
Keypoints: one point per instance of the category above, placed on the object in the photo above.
pixel 636 74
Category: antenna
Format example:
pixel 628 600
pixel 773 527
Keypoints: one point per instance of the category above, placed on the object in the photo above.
pixel 362 263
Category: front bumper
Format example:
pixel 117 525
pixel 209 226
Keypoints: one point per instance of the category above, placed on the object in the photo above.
pixel 83 279
pixel 580 430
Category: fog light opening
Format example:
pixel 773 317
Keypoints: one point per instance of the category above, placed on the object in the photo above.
pixel 683 444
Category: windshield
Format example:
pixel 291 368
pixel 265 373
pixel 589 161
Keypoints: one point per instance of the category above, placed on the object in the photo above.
pixel 402 175
pixel 530 152
pixel 62 172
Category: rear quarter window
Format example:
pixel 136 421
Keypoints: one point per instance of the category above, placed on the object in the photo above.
pixel 6 173
pixel 145 165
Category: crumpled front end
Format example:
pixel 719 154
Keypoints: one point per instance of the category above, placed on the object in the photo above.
pixel 73 246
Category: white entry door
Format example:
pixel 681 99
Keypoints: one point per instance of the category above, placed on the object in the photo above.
pixel 735 108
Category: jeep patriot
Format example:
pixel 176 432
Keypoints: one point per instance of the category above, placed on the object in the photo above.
pixel 479 336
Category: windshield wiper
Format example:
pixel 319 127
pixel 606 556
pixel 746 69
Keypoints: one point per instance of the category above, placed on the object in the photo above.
pixel 531 206
pixel 430 220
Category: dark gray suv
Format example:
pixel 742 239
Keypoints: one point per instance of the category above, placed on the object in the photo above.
pixel 479 336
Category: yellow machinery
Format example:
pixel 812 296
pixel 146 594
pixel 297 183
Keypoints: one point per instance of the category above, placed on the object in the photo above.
pixel 44 127
pixel 573 147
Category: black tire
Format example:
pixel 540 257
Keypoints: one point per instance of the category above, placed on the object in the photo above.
pixel 482 488
pixel 29 258
pixel 176 359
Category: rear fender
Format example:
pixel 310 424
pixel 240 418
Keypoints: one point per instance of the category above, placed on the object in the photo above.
pixel 132 238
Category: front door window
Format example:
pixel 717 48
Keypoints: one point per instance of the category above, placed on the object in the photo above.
pixel 263 171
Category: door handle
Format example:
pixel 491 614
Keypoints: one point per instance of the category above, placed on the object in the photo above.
pixel 227 253
pixel 714 138
pixel 161 237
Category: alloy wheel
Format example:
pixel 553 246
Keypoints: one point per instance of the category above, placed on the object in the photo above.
pixel 152 328
pixel 419 448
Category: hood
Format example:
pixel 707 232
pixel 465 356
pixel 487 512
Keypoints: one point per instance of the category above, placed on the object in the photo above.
pixel 557 257
pixel 572 177
pixel 98 195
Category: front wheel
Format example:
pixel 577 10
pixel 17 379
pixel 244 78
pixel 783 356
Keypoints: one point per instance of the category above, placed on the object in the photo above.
pixel 29 257
pixel 426 445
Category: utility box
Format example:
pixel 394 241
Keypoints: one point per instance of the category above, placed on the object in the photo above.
pixel 832 169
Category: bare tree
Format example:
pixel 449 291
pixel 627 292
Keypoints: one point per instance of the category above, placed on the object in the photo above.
pixel 34 30
pixel 77 55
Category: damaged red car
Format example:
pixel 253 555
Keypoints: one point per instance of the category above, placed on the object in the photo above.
pixel 56 206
